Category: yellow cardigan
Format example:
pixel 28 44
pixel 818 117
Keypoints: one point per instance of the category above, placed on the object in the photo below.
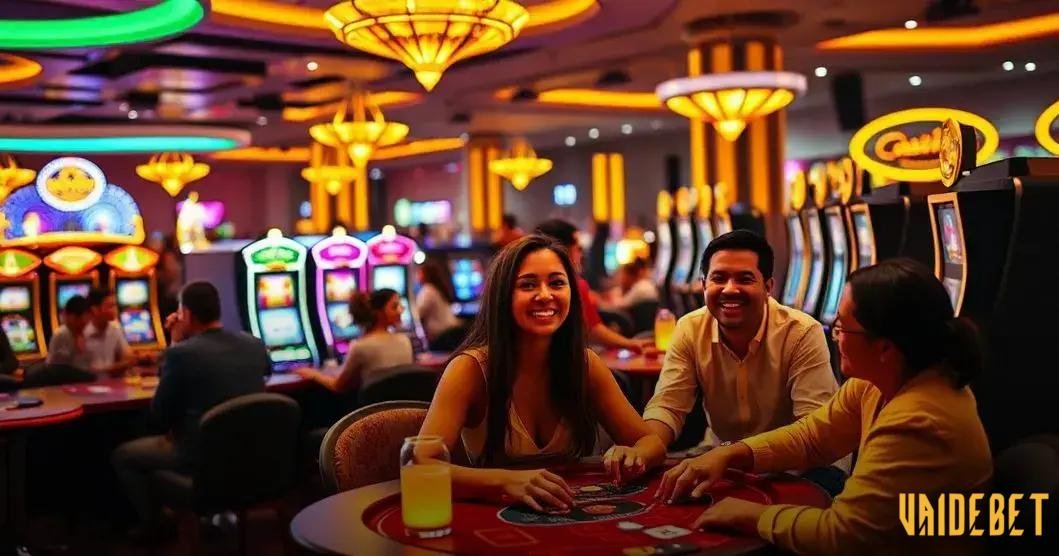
pixel 927 439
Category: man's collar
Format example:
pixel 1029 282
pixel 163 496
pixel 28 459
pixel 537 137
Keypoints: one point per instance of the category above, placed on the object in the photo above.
pixel 715 331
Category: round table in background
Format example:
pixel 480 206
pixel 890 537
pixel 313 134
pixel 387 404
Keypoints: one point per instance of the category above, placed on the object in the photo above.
pixel 643 371
pixel 367 520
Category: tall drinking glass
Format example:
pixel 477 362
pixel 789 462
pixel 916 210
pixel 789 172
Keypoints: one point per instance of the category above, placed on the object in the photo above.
pixel 665 322
pixel 426 487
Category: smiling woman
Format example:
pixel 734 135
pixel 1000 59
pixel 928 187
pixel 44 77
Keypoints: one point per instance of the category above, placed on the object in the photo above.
pixel 163 19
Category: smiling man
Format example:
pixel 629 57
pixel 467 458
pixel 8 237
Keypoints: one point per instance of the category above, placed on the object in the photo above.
pixel 759 365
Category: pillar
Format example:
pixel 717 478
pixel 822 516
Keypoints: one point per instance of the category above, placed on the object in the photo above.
pixel 485 195
pixel 319 198
pixel 608 188
pixel 752 166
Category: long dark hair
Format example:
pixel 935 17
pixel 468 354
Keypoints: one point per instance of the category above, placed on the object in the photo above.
pixel 902 301
pixel 495 330
pixel 365 307
pixel 434 273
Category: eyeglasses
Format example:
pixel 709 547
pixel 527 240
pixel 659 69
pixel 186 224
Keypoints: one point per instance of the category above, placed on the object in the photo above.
pixel 838 330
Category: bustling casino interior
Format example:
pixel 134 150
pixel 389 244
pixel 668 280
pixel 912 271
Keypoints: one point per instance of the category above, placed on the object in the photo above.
pixel 529 277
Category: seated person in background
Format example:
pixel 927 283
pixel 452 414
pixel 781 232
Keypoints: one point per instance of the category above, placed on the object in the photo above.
pixel 8 361
pixel 524 390
pixel 760 365
pixel 634 286
pixel 67 345
pixel 434 307
pixel 508 232
pixel 109 352
pixel 204 366
pixel 377 350
pixel 566 234
pixel 906 407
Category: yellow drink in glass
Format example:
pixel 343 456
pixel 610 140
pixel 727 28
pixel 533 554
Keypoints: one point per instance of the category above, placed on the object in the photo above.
pixel 665 322
pixel 426 487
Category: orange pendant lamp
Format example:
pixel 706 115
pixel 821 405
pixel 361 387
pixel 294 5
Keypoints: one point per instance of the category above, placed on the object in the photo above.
pixel 521 165
pixel 12 177
pixel 172 171
pixel 360 128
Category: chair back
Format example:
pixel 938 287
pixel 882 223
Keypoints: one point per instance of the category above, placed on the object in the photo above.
pixel 403 382
pixel 617 320
pixel 642 315
pixel 248 448
pixel 364 447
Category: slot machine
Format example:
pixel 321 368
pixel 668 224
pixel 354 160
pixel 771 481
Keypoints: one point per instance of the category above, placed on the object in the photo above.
pixel 20 304
pixel 74 271
pixel 275 301
pixel 818 248
pixel 132 279
pixel 798 264
pixel 339 271
pixel 722 218
pixel 468 282
pixel 840 178
pixel 994 251
pixel 664 245
pixel 390 265
pixel 703 201
pixel 684 259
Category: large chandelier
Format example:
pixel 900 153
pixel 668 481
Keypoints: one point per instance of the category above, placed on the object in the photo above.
pixel 521 165
pixel 428 36
pixel 360 128
pixel 12 177
pixel 333 174
pixel 730 100
pixel 172 171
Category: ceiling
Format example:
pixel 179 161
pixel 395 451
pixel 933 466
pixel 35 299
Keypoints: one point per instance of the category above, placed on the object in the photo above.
pixel 218 73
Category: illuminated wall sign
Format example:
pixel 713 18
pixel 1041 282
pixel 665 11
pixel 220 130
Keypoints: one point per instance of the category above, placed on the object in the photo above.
pixel 904 145
pixel 565 195
pixel 411 213
pixel 70 184
pixel 1043 128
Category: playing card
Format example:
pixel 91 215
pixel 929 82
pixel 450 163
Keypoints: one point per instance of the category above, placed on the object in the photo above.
pixel 667 532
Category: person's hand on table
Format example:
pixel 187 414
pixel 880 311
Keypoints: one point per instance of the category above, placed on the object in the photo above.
pixel 537 488
pixel 731 513
pixel 307 373
pixel 693 475
pixel 624 463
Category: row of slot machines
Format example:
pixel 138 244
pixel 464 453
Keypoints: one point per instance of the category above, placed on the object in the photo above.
pixel 34 290
pixel 688 219
pixel 293 293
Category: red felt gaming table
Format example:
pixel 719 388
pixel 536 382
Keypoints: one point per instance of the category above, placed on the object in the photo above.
pixel 368 520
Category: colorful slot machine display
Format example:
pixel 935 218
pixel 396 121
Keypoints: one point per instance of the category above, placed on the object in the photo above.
pixel 20 304
pixel 275 300
pixel 339 269
pixel 684 252
pixel 468 281
pixel 798 264
pixel 74 271
pixel 132 279
pixel 664 243
pixel 390 261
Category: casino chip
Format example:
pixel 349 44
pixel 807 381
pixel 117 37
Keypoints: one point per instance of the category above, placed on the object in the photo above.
pixel 599 509
pixel 629 526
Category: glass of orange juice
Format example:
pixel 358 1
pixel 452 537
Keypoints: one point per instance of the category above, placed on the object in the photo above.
pixel 665 322
pixel 426 487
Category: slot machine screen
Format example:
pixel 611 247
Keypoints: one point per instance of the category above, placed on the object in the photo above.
pixel 281 327
pixel 64 291
pixel 468 279
pixel 865 239
pixel 133 296
pixel 16 303
pixel 705 237
pixel 952 252
pixel 275 290
pixel 684 254
pixel 610 257
pixel 837 279
pixel 797 260
pixel 394 277
pixel 339 285
pixel 816 268
pixel 665 253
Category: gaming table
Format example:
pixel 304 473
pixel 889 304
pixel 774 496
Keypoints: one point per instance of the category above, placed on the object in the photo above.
pixel 368 520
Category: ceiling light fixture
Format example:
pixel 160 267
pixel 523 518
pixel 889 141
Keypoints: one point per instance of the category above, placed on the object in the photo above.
pixel 626 129
pixel 427 36
pixel 172 171
pixel 570 140
pixel 359 127
pixel 521 165
pixel 1030 66
pixel 165 18
pixel 133 114
pixel 820 71
pixel 911 24
pixel 948 37
pixel 149 138
pixel 1008 65
pixel 17 71
pixel 312 65
pixel 12 176
pixel 915 80
pixel 729 100
pixel 593 133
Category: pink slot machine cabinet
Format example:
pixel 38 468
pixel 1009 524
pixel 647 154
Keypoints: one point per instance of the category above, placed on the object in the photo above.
pixel 339 270
pixel 391 260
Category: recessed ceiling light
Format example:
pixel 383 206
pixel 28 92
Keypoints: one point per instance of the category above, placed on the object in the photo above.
pixel 626 129
pixel 375 174
pixel 124 107
pixel 821 71
pixel 656 124
pixel 593 133
pixel 133 114
pixel 1030 66
pixel 570 140
pixel 262 120
pixel 465 136
pixel 915 80
pixel 1008 65
pixel 911 24
pixel 311 65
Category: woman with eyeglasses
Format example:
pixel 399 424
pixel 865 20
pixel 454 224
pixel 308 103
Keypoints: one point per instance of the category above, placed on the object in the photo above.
pixel 906 408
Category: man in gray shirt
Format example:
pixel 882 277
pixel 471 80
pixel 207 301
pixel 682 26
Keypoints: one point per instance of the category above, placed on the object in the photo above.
pixel 67 345
pixel 205 366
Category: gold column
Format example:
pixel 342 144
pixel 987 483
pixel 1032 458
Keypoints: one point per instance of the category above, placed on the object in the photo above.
pixel 361 221
pixel 485 194
pixel 608 188
pixel 319 198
